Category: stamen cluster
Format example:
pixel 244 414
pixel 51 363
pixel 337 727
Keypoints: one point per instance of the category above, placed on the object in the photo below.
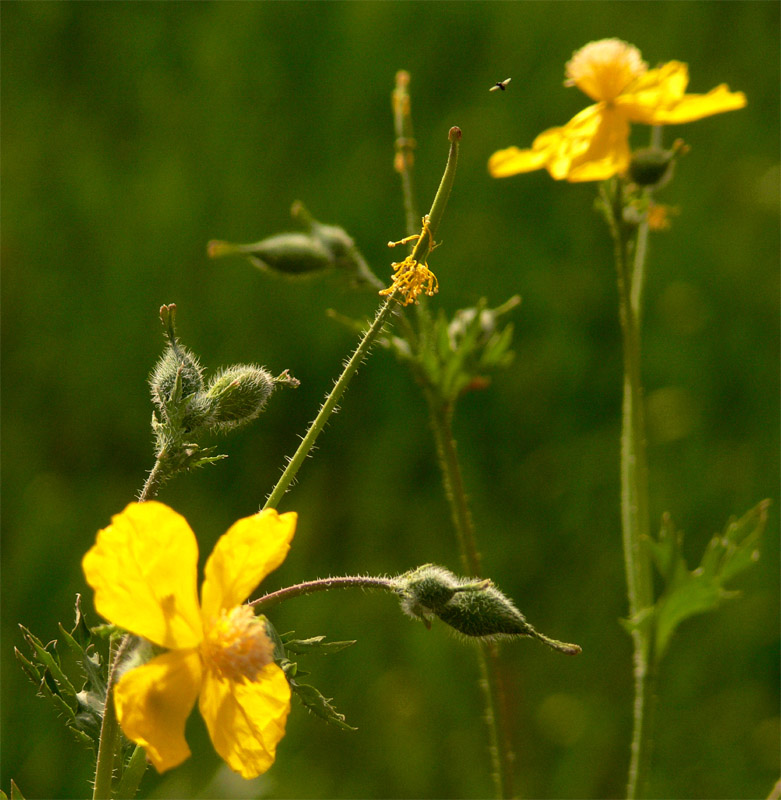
pixel 412 278
pixel 237 646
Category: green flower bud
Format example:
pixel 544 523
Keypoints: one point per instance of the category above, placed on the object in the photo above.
pixel 176 372
pixel 652 166
pixel 426 591
pixel 286 253
pixel 474 608
pixel 339 244
pixel 237 394
pixel 176 383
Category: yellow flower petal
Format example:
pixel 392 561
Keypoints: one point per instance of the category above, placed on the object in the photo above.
pixel 692 107
pixel 246 720
pixel 607 153
pixel 143 570
pixel 658 98
pixel 250 550
pixel 513 161
pixel 153 702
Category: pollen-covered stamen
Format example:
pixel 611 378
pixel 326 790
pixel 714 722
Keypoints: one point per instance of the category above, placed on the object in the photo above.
pixel 412 278
pixel 605 68
pixel 237 646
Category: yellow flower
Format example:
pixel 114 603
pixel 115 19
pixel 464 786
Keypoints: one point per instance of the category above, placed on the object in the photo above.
pixel 143 568
pixel 594 144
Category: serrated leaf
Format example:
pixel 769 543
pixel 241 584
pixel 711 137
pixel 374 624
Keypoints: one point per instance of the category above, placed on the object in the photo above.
pixel 81 632
pixel 316 644
pixel 688 593
pixel 319 705
pixel 16 794
pixel 49 661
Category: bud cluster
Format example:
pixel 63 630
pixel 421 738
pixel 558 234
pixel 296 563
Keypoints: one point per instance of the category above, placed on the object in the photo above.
pixel 187 405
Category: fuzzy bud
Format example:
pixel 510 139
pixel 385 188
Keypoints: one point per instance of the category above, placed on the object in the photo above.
pixel 237 394
pixel 176 382
pixel 474 608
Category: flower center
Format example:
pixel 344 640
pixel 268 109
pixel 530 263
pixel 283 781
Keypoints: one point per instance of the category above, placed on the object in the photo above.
pixel 237 646
pixel 605 68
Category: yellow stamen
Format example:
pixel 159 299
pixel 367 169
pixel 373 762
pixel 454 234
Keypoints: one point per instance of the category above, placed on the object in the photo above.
pixel 412 277
pixel 605 68
pixel 237 646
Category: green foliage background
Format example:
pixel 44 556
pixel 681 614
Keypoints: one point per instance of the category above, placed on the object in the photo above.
pixel 134 133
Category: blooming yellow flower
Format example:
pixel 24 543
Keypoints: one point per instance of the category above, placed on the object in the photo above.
pixel 143 568
pixel 594 144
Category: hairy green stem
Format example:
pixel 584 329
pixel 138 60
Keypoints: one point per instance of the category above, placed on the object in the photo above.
pixel 329 404
pixel 153 482
pixel 322 585
pixel 423 247
pixel 501 749
pixel 635 519
pixel 109 742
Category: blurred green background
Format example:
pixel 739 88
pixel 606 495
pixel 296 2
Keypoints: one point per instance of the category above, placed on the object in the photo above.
pixel 134 133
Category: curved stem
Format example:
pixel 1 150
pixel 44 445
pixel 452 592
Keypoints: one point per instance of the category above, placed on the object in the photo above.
pixel 322 585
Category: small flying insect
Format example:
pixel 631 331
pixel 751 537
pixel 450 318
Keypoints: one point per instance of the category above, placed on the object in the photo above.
pixel 500 85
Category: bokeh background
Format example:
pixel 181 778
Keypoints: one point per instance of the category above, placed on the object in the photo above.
pixel 134 133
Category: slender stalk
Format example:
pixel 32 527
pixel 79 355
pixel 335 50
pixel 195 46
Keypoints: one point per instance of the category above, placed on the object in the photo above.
pixel 108 744
pixel 492 683
pixel 423 247
pixel 634 488
pixel 329 404
pixel 153 482
pixel 322 585
pixel 405 148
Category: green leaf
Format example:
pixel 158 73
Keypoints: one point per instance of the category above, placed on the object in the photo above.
pixel 688 593
pixel 49 661
pixel 314 644
pixel 319 705
pixel 15 793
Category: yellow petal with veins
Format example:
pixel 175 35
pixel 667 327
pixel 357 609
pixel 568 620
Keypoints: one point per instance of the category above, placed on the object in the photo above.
pixel 143 570
pixel 153 702
pixel 251 549
pixel 246 720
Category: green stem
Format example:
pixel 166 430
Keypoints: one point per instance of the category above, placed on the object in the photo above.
pixel 423 247
pixel 322 585
pixel 153 482
pixel 405 148
pixel 634 487
pixel 492 683
pixel 329 404
pixel 109 741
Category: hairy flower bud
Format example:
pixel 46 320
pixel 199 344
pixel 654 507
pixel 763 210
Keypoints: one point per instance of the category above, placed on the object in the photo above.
pixel 474 608
pixel 237 394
